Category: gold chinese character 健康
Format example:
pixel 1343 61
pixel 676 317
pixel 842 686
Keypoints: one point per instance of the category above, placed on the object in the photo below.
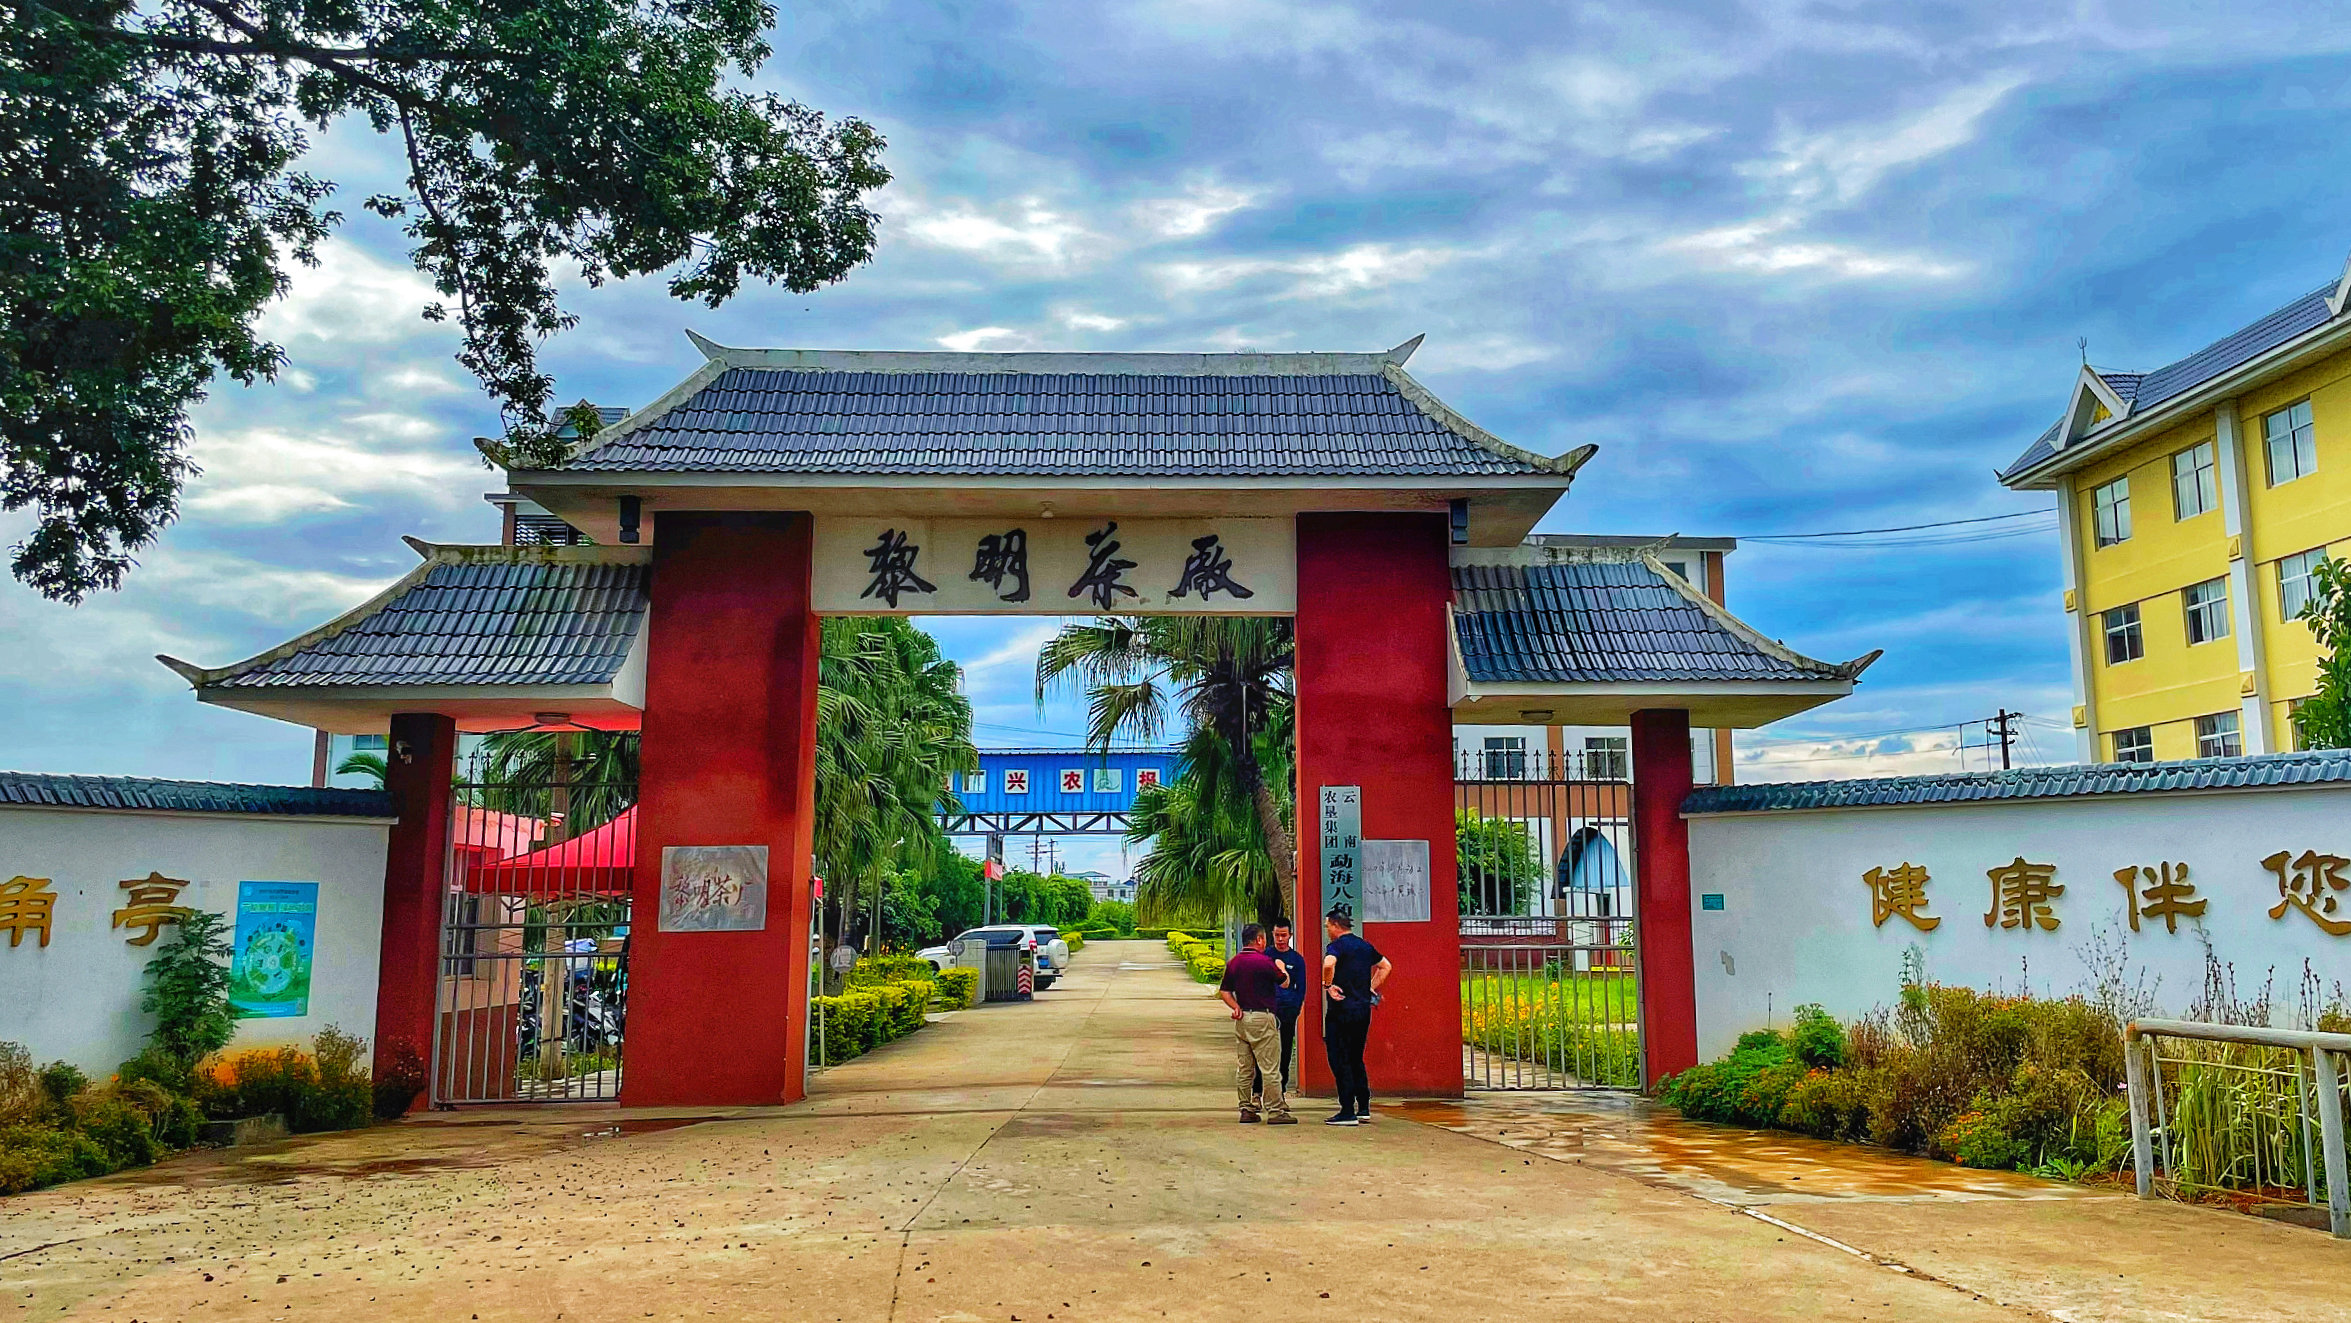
pixel 27 905
pixel 1902 891
pixel 2308 882
pixel 150 906
pixel 2021 893
pixel 2167 897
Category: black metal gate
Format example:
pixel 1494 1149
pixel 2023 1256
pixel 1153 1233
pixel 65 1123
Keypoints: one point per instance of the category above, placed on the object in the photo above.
pixel 533 988
pixel 1550 995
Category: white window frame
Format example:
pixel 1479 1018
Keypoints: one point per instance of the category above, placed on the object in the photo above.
pixel 1503 758
pixel 2140 742
pixel 2208 619
pixel 2219 735
pixel 2294 583
pixel 2293 427
pixel 975 783
pixel 2110 512
pixel 1608 758
pixel 2117 624
pixel 2197 490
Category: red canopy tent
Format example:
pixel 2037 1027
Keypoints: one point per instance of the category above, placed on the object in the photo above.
pixel 603 860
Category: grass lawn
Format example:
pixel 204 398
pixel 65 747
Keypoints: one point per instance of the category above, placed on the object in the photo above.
pixel 1611 998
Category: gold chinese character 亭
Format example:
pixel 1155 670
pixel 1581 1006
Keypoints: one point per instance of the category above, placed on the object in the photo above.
pixel 2308 883
pixel 1902 891
pixel 2021 893
pixel 150 906
pixel 2167 897
pixel 26 906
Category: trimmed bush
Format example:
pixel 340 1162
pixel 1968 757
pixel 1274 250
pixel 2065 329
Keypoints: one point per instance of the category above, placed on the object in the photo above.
pixel 1206 967
pixel 955 988
pixel 1076 941
pixel 872 970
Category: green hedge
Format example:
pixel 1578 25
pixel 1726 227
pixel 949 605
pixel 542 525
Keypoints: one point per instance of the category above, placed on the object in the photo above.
pixel 1076 941
pixel 1206 967
pixel 872 970
pixel 955 988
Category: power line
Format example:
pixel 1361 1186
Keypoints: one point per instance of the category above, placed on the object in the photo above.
pixel 1898 528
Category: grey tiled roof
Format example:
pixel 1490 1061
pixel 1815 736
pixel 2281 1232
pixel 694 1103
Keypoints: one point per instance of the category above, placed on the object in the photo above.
pixel 2324 766
pixel 2150 389
pixel 1608 621
pixel 46 790
pixel 1112 424
pixel 473 616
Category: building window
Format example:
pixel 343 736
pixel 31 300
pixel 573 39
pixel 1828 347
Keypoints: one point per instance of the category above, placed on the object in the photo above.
pixel 2136 745
pixel 369 743
pixel 975 783
pixel 2207 608
pixel 2301 741
pixel 2216 736
pixel 2123 642
pixel 2111 505
pixel 1506 758
pixel 1607 758
pixel 2296 585
pixel 2292 442
pixel 2195 485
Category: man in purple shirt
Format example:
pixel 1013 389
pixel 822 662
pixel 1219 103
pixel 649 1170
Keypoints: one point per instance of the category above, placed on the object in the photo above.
pixel 1252 983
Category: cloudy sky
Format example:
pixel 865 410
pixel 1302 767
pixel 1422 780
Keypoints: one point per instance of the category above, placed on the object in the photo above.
pixel 1793 267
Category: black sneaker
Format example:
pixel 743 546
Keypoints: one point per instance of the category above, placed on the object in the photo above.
pixel 1363 1119
pixel 1343 1118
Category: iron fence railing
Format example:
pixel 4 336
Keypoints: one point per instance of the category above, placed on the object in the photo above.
pixel 2241 1111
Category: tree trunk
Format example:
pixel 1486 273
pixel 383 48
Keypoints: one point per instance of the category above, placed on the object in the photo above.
pixel 1280 848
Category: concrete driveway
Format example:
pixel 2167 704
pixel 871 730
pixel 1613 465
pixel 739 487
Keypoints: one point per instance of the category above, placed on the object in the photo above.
pixel 1077 1159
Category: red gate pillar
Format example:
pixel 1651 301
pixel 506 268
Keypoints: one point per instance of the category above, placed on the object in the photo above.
pixel 1662 777
pixel 729 758
pixel 419 759
pixel 1371 704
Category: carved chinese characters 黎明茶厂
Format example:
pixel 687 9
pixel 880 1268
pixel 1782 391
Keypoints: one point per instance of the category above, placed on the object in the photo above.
pixel 153 902
pixel 1900 891
pixel 2021 896
pixel 1208 571
pixel 891 562
pixel 1104 570
pixel 27 905
pixel 2308 882
pixel 1002 556
pixel 2169 895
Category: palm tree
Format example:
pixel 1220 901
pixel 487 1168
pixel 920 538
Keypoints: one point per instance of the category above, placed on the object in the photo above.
pixel 1227 678
pixel 370 765
pixel 892 729
pixel 582 778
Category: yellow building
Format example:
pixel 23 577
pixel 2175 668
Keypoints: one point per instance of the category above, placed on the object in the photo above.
pixel 2192 502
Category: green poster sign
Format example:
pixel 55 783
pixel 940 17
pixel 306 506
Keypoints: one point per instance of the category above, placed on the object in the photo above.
pixel 277 932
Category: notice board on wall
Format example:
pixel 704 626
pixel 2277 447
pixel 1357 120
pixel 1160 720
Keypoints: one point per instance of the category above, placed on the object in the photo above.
pixel 1395 881
pixel 276 944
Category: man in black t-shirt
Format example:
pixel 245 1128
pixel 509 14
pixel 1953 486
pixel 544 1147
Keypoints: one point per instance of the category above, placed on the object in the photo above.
pixel 1251 983
pixel 1352 972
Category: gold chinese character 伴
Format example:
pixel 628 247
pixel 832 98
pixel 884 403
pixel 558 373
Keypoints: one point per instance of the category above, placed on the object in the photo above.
pixel 2021 893
pixel 26 906
pixel 150 906
pixel 2167 896
pixel 2308 883
pixel 1900 891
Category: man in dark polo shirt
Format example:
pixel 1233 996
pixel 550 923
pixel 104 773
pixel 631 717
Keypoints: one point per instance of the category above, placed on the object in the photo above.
pixel 1252 981
pixel 1291 1000
pixel 1352 972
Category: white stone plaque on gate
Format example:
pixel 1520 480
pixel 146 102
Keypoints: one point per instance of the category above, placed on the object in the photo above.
pixel 1072 565
pixel 713 888
pixel 1395 881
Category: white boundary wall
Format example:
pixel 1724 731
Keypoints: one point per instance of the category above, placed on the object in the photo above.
pixel 1796 923
pixel 78 999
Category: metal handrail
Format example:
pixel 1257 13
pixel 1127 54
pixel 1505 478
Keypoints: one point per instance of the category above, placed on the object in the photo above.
pixel 2319 1049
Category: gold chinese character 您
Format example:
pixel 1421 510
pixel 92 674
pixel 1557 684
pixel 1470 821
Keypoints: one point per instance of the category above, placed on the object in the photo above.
pixel 26 906
pixel 2021 893
pixel 150 906
pixel 2166 897
pixel 2307 883
pixel 1900 891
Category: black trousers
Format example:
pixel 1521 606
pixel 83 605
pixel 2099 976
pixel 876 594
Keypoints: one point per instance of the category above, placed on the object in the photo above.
pixel 1288 1019
pixel 1343 1033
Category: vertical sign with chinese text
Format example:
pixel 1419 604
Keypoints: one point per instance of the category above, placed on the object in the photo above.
pixel 1341 832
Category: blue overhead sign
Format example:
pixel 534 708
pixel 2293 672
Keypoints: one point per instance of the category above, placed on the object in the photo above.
pixel 1056 790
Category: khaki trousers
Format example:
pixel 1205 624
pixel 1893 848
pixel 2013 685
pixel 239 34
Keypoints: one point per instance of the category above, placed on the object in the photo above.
pixel 1257 1040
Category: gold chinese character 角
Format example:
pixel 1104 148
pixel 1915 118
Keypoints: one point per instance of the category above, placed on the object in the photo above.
pixel 2166 897
pixel 150 906
pixel 2021 893
pixel 2307 883
pixel 26 906
pixel 1900 891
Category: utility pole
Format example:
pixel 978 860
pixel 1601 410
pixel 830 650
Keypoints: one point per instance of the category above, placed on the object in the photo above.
pixel 2003 725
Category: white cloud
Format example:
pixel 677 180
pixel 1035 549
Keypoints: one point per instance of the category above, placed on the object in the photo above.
pixel 1840 166
pixel 1091 321
pixel 1194 213
pixel 261 475
pixel 984 338
pixel 1350 270
pixel 350 298
pixel 1023 232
